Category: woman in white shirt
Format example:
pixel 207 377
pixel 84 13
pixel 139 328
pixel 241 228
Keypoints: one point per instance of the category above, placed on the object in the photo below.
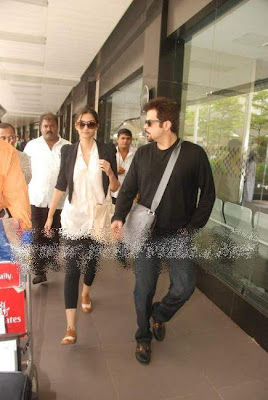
pixel 88 170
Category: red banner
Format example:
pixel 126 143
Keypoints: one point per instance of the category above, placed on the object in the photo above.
pixel 9 275
pixel 12 307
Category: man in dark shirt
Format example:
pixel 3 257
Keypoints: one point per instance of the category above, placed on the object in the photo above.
pixel 178 215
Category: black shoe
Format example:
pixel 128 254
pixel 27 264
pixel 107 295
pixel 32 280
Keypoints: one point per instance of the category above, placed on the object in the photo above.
pixel 143 352
pixel 39 278
pixel 159 331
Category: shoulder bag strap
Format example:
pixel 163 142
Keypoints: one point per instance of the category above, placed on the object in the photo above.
pixel 166 175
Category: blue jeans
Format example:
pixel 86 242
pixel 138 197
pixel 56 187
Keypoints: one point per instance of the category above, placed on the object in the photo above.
pixel 182 276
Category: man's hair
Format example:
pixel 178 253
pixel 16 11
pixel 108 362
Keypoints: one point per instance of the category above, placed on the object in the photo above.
pixel 49 117
pixel 166 110
pixel 87 110
pixel 124 131
pixel 5 125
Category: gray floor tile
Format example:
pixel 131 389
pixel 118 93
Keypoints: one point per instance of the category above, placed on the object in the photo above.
pixel 165 377
pixel 76 372
pixel 256 390
pixel 204 350
pixel 210 394
pixel 228 357
pixel 200 315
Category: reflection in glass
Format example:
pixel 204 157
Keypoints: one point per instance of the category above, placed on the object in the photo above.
pixel 125 112
pixel 225 110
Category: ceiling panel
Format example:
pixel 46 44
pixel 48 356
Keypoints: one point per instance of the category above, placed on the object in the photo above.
pixel 46 47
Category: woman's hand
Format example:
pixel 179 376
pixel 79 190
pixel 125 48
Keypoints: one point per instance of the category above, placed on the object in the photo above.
pixel 47 227
pixel 105 166
pixel 120 170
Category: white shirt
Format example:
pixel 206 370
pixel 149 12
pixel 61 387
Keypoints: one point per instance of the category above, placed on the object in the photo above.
pixel 124 164
pixel 77 217
pixel 45 170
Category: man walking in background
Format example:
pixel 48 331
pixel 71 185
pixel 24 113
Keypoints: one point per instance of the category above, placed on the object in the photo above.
pixel 45 154
pixel 124 156
pixel 177 215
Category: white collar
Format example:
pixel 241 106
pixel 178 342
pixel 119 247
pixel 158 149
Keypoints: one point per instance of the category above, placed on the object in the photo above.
pixel 41 138
pixel 130 151
pixel 93 148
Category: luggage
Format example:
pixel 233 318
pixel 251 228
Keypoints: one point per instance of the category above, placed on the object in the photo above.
pixel 15 386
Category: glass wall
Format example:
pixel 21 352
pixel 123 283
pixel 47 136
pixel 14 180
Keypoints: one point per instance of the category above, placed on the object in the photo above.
pixel 124 111
pixel 225 110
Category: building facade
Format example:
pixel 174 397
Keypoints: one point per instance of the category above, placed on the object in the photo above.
pixel 211 57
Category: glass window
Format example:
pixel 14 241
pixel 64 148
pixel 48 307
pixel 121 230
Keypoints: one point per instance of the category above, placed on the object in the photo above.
pixel 125 111
pixel 225 110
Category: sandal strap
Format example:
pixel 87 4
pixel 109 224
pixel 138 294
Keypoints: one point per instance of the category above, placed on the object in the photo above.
pixel 87 305
pixel 69 338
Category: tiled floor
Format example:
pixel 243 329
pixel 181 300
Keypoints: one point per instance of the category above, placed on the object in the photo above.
pixel 205 355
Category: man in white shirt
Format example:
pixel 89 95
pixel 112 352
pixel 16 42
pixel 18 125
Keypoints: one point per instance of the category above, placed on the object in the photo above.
pixel 124 156
pixel 7 133
pixel 45 154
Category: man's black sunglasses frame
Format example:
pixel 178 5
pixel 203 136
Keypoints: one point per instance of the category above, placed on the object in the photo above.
pixel 150 121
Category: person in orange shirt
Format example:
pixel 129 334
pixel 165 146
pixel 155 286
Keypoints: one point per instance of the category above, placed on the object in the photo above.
pixel 13 188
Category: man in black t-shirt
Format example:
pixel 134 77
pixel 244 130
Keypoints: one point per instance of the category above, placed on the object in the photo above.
pixel 178 214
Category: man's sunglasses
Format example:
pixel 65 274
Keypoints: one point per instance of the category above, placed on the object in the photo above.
pixel 89 124
pixel 149 122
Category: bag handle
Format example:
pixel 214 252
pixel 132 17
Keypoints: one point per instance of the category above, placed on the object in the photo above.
pixel 166 176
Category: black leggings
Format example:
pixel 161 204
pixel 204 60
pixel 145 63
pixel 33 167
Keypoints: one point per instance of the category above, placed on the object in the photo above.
pixel 82 256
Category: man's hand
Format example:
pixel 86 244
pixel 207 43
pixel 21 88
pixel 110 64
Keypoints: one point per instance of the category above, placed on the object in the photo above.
pixel 120 170
pixel 117 229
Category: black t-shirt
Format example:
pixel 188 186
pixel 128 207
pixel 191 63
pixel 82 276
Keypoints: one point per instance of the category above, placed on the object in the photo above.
pixel 178 207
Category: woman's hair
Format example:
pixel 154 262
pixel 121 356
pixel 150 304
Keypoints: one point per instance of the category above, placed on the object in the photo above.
pixel 87 110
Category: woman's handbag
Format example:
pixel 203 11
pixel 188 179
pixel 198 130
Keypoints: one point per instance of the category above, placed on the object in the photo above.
pixel 101 231
pixel 141 220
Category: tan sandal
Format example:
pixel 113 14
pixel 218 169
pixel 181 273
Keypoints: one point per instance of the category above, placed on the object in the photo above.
pixel 86 304
pixel 70 337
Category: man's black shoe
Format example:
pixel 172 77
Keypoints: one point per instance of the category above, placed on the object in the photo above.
pixel 159 331
pixel 143 352
pixel 39 279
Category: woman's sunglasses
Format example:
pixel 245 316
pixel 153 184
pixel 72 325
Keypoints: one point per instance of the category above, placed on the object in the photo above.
pixel 89 124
